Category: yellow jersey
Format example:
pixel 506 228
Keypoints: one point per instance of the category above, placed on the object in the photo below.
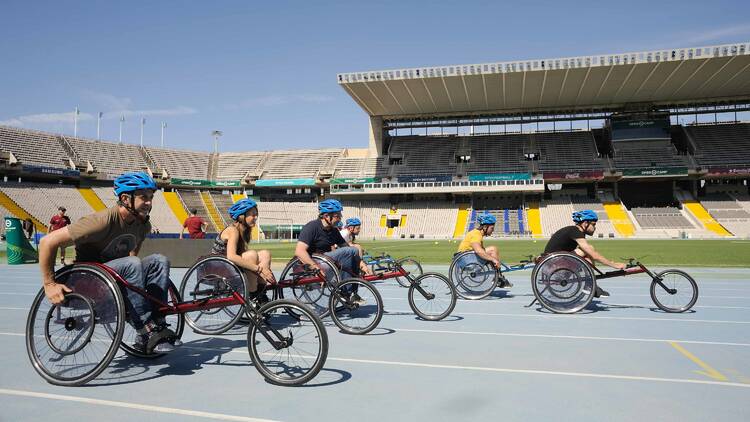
pixel 474 236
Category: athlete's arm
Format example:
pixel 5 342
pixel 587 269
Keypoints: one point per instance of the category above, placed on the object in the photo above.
pixel 301 252
pixel 232 241
pixel 596 256
pixel 479 250
pixel 47 252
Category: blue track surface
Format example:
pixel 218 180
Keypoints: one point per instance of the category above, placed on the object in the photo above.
pixel 491 360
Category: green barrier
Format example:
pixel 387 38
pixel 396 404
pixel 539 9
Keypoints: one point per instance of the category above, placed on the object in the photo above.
pixel 20 250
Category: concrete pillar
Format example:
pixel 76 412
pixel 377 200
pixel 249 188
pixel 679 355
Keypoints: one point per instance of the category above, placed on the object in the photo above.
pixel 376 136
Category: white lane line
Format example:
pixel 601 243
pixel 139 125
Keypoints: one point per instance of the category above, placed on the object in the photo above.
pixel 561 317
pixel 508 301
pixel 645 340
pixel 136 406
pixel 7 308
pixel 17 294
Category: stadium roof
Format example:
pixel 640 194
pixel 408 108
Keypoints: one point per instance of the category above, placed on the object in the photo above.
pixel 669 77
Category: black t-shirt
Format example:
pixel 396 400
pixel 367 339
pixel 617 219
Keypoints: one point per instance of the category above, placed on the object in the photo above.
pixel 318 239
pixel 564 240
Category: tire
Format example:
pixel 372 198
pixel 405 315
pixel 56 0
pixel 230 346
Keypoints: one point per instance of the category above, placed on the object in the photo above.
pixel 412 267
pixel 71 343
pixel 355 318
pixel 208 278
pixel 176 323
pixel 473 277
pixel 685 287
pixel 563 283
pixel 437 307
pixel 291 365
pixel 315 296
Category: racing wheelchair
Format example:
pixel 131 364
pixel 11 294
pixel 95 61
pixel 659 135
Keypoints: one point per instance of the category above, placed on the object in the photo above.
pixel 476 278
pixel 72 342
pixel 565 283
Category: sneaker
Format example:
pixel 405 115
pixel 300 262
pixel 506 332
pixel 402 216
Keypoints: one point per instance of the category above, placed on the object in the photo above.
pixel 357 299
pixel 599 292
pixel 505 284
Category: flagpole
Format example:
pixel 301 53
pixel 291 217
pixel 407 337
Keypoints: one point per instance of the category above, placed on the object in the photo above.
pixel 98 125
pixel 75 122
pixel 122 120
pixel 163 126
pixel 143 122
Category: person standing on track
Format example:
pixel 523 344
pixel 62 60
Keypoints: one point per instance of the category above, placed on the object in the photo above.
pixel 57 222
pixel 195 226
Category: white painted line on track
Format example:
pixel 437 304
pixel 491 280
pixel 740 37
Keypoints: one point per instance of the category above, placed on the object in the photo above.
pixel 644 340
pixel 134 406
pixel 17 294
pixel 508 301
pixel 562 317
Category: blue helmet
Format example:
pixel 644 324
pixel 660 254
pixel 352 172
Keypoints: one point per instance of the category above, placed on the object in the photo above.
pixel 329 205
pixel 585 215
pixel 241 207
pixel 487 219
pixel 339 224
pixel 351 222
pixel 133 181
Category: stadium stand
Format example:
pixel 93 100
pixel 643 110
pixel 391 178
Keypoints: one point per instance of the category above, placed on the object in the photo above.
pixel 162 218
pixel 42 200
pixel 424 156
pixel 181 163
pixel 106 194
pixel 498 154
pixel 566 151
pixel 644 155
pixel 235 165
pixel 33 147
pixel 4 213
pixel 721 145
pixel 660 218
pixel 222 201
pixel 109 158
pixel 192 200
pixel 728 212
pixel 349 167
pixel 294 164
pixel 430 219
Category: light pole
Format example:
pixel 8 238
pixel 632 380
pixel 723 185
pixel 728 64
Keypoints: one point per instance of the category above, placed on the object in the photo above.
pixel 143 123
pixel 163 126
pixel 122 120
pixel 216 134
pixel 75 122
pixel 98 125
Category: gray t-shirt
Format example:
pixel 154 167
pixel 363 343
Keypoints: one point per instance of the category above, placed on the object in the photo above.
pixel 104 236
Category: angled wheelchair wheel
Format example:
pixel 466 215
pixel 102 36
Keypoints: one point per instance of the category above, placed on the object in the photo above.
pixel 175 322
pixel 284 349
pixel 213 277
pixel 473 277
pixel 680 294
pixel 72 342
pixel 356 315
pixel 312 291
pixel 412 267
pixel 563 283
pixel 432 296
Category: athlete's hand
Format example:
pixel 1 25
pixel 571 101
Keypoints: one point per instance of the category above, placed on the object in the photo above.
pixel 496 263
pixel 267 275
pixel 619 265
pixel 55 292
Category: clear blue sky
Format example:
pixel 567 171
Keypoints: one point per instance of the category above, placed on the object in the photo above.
pixel 264 72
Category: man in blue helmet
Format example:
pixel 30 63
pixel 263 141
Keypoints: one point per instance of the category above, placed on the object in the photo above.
pixel 573 239
pixel 113 237
pixel 473 241
pixel 321 236
pixel 349 232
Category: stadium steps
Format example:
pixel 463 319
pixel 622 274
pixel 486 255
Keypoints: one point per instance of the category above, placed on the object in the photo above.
pixel 461 221
pixel 619 218
pixel 534 219
pixel 213 213
pixel 175 204
pixel 19 212
pixel 389 231
pixel 149 160
pixel 704 217
pixel 213 166
pixel 92 198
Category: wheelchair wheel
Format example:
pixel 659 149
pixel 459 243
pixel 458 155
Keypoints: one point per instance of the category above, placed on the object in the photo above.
pixel 284 349
pixel 356 317
pixel 563 283
pixel 412 267
pixel 473 277
pixel 683 294
pixel 176 323
pixel 213 277
pixel 315 295
pixel 72 342
pixel 432 297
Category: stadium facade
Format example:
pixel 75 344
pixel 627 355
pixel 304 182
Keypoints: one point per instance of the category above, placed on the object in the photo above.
pixel 651 140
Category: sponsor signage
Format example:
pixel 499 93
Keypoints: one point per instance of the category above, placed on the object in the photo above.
pixel 285 182
pixel 420 179
pixel 500 176
pixel 726 171
pixel 227 183
pixel 51 170
pixel 191 182
pixel 354 180
pixel 574 175
pixel 655 172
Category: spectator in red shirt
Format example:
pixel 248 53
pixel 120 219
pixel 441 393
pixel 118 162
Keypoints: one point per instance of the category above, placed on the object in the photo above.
pixel 57 222
pixel 195 226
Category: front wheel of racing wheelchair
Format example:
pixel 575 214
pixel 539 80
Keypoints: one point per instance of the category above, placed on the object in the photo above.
pixel 326 294
pixel 473 277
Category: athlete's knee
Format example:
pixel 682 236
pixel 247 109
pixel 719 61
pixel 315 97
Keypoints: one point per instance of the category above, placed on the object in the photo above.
pixel 264 254
pixel 250 255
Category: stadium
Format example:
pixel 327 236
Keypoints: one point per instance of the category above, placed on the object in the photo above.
pixel 651 140
pixel 653 145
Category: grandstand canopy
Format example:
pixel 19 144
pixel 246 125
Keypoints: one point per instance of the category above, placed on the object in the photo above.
pixel 666 78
